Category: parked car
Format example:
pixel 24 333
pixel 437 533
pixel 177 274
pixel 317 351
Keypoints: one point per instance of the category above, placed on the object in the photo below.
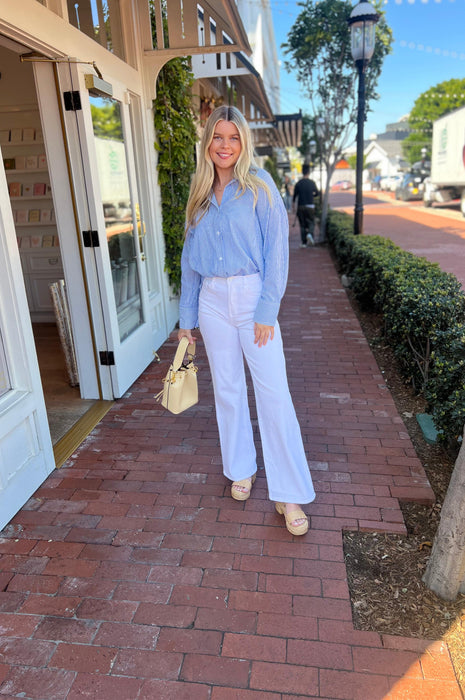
pixel 410 187
pixel 341 185
pixel 392 182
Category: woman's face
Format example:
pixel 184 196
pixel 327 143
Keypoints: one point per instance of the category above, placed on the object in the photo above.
pixel 225 147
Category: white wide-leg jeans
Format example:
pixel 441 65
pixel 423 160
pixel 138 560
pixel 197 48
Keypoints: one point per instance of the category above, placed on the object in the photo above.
pixel 226 311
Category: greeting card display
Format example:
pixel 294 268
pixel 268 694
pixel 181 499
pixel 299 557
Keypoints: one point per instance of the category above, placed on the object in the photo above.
pixel 29 134
pixel 39 189
pixel 15 189
pixel 31 162
pixel 34 215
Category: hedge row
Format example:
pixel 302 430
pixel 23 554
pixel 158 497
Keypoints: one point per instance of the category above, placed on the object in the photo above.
pixel 424 316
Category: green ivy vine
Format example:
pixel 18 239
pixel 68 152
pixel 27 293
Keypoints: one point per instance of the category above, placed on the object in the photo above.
pixel 176 138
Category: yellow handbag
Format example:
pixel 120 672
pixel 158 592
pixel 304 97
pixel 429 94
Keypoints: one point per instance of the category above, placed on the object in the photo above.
pixel 180 389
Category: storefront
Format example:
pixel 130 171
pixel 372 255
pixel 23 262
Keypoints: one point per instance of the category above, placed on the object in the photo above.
pixel 79 206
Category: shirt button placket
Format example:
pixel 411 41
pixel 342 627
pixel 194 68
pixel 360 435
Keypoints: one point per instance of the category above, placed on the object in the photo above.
pixel 220 257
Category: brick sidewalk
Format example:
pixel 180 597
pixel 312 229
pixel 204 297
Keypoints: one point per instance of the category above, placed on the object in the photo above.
pixel 133 574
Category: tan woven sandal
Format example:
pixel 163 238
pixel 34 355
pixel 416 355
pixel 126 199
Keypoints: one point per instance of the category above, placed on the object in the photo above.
pixel 242 495
pixel 291 517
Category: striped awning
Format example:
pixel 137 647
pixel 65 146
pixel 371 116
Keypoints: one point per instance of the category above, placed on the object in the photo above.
pixel 289 127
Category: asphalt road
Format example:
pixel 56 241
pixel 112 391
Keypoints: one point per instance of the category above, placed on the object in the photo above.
pixel 437 234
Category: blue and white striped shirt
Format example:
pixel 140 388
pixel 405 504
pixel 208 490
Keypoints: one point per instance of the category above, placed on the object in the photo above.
pixel 233 239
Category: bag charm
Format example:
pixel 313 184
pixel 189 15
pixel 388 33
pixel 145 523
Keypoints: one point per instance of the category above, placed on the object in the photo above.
pixel 180 389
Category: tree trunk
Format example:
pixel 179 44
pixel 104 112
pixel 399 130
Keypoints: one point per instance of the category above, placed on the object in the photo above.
pixel 325 203
pixel 445 573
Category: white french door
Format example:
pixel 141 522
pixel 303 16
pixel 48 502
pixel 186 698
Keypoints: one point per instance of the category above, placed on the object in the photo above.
pixel 112 227
pixel 26 454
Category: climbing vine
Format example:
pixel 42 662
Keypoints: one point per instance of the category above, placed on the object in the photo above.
pixel 176 138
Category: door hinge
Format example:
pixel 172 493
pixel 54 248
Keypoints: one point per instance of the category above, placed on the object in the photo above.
pixel 107 357
pixel 90 239
pixel 72 101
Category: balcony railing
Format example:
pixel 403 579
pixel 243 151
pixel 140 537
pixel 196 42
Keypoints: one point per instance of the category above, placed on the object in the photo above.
pixel 100 20
pixel 187 27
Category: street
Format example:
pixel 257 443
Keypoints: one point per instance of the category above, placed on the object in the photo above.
pixel 437 234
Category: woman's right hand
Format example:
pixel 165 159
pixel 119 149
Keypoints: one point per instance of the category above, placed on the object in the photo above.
pixel 186 333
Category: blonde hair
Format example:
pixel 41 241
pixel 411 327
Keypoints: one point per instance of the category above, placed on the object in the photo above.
pixel 244 170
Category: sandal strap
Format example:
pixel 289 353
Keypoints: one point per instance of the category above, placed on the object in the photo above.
pixel 296 515
pixel 242 482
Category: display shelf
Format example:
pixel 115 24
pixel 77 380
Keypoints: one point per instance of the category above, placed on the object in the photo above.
pixel 33 223
pixel 42 251
pixel 36 198
pixel 13 144
pixel 27 170
pixel 41 265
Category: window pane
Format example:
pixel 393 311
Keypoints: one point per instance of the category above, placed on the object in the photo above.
pixel 122 217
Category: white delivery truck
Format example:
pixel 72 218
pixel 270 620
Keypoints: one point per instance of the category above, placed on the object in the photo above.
pixel 447 181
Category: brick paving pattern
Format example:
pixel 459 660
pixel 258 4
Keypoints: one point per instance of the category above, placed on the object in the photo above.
pixel 131 573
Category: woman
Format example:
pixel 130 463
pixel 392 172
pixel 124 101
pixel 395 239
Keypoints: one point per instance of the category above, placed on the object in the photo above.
pixel 234 273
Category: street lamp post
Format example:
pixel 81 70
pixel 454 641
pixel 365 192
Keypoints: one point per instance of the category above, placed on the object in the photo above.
pixel 362 22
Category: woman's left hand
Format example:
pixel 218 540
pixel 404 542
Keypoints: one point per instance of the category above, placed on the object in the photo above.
pixel 263 333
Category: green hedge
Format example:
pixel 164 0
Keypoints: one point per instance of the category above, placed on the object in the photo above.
pixel 424 316
pixel 175 127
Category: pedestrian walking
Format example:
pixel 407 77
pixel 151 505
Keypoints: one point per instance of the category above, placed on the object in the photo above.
pixel 304 192
pixel 234 273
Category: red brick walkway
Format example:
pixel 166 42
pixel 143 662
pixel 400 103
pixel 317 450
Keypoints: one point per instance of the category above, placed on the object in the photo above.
pixel 133 574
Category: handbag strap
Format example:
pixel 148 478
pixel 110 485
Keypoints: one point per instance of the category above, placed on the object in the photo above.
pixel 181 351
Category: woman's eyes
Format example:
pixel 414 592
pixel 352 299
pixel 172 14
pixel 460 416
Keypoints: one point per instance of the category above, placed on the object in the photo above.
pixel 220 138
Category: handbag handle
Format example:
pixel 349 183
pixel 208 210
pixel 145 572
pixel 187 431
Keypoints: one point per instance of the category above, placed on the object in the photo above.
pixel 181 351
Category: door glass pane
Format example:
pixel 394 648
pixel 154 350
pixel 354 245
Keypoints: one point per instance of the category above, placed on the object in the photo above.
pixel 120 212
pixel 5 384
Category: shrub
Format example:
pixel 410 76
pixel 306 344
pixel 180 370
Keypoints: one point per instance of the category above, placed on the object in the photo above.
pixel 445 389
pixel 424 316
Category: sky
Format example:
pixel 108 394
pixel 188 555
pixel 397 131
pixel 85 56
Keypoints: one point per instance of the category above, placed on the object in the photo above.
pixel 428 48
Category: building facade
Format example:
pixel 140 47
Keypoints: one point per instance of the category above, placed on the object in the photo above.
pixel 79 203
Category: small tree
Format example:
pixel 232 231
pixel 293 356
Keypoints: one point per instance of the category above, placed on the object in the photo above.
pixel 445 573
pixel 429 106
pixel 318 47
pixel 352 160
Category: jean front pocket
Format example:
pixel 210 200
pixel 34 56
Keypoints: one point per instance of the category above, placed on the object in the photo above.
pixel 244 296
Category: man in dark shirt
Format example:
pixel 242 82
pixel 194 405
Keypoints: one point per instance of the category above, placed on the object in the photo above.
pixel 304 192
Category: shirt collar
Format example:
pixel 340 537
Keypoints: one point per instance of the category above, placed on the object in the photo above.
pixel 212 194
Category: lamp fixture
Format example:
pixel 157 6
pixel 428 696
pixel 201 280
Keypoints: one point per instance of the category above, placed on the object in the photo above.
pixel 362 23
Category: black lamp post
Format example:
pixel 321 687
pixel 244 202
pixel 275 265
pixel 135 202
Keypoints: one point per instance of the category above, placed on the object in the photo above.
pixel 362 22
